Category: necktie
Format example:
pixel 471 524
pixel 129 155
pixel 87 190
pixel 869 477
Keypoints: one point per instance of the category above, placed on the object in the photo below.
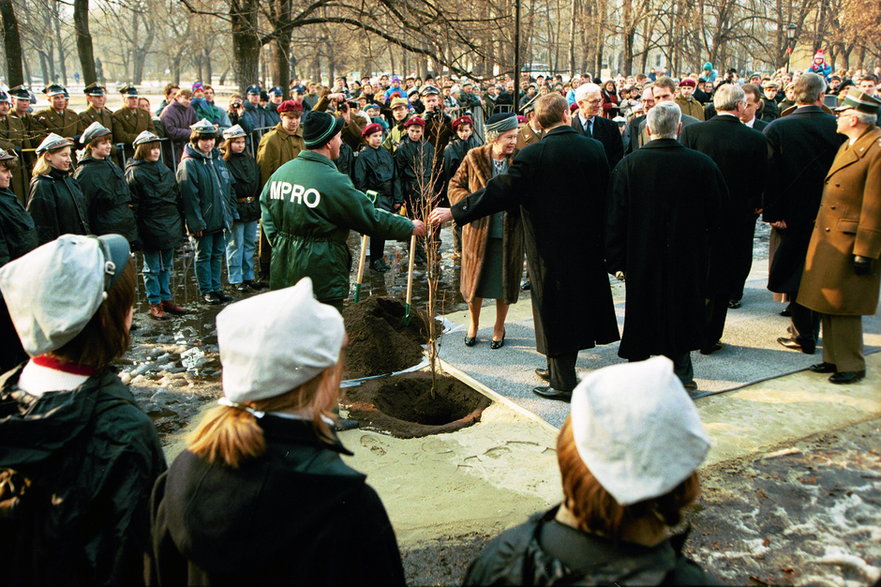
pixel 588 127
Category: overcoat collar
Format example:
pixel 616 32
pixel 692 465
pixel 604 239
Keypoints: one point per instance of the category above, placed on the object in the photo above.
pixel 561 130
pixel 849 154
pixel 663 144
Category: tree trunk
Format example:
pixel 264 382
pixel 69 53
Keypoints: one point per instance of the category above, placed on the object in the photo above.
pixel 61 55
pixel 44 67
pixel 84 40
pixel 246 45
pixel 572 19
pixel 11 44
pixel 280 64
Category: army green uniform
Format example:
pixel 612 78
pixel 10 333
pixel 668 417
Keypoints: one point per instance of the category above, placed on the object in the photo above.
pixel 396 134
pixel 90 115
pixel 308 208
pixel 66 124
pixel 128 124
pixel 277 147
pixel 13 137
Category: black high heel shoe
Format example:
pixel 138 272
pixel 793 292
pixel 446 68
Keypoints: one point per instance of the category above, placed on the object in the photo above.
pixel 497 344
pixel 470 340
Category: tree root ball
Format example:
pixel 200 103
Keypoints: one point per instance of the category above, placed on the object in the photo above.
pixel 404 406
pixel 378 344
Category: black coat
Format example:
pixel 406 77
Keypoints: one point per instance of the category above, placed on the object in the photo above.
pixel 108 199
pixel 662 235
pixel 633 133
pixel 801 148
pixel 606 132
pixel 455 152
pixel 560 185
pixel 375 170
pixel 156 203
pixel 247 185
pixel 413 161
pixel 760 125
pixel 18 233
pixel 296 515
pixel 741 154
pixel 345 163
pixel 98 455
pixel 57 206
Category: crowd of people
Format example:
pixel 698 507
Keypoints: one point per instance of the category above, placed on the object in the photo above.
pixel 656 181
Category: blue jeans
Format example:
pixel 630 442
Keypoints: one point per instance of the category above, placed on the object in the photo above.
pixel 157 269
pixel 209 261
pixel 241 245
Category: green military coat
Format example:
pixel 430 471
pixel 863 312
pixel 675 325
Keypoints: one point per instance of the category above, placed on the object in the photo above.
pixel 90 115
pixel 308 209
pixel 276 148
pixel 13 137
pixel 128 124
pixel 65 123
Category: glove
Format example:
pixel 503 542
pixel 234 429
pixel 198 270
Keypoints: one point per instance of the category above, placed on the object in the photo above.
pixel 862 265
pixel 619 275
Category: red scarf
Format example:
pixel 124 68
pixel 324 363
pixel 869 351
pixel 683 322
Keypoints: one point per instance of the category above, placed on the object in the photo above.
pixel 59 365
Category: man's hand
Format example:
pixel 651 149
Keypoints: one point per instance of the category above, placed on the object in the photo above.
pixel 440 215
pixel 862 265
pixel 780 224
pixel 418 228
pixel 198 234
pixel 339 97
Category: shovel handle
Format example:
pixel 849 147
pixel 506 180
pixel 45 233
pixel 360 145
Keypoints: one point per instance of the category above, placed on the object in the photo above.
pixel 410 269
pixel 362 259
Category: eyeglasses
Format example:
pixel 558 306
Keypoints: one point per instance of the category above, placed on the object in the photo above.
pixel 845 114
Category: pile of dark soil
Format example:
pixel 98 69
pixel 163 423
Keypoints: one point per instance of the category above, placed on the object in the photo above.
pixel 404 407
pixel 378 344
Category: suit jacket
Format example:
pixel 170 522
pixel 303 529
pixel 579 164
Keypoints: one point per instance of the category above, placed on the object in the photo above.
pixel 633 133
pixel 606 132
pixel 760 124
pixel 644 135
pixel 801 149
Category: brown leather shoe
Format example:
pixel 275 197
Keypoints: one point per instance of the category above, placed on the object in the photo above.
pixel 157 313
pixel 172 308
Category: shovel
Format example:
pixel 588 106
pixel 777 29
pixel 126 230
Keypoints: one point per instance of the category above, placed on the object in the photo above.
pixel 408 318
pixel 361 261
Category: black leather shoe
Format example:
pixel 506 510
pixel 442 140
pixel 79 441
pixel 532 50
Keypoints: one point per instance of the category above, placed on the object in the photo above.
pixel 712 349
pixel 734 304
pixel 526 285
pixel 793 344
pixel 343 424
pixel 847 376
pixel 543 374
pixel 242 287
pixel 823 368
pixel 551 393
pixel 470 340
pixel 211 298
pixel 497 344
pixel 223 297
pixel 786 312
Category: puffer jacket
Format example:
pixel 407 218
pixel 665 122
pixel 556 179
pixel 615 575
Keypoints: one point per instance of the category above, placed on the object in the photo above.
pixel 247 175
pixel 57 206
pixel 206 186
pixel 108 199
pixel 97 454
pixel 308 209
pixel 156 203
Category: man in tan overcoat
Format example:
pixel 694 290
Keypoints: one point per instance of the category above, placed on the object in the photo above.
pixel 842 276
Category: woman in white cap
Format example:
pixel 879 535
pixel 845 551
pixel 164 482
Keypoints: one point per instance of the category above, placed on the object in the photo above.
pixel 261 496
pixel 241 239
pixel 492 247
pixel 56 201
pixel 627 453
pixel 209 207
pixel 69 425
pixel 159 212
pixel 108 199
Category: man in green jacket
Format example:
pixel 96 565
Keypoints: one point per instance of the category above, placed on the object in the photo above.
pixel 308 209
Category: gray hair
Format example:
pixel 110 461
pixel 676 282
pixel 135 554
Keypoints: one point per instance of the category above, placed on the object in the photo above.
pixel 663 120
pixel 808 88
pixel 727 97
pixel 491 135
pixel 865 117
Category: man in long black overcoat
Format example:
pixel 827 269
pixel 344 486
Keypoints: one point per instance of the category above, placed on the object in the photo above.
pixel 662 235
pixel 801 148
pixel 741 154
pixel 560 185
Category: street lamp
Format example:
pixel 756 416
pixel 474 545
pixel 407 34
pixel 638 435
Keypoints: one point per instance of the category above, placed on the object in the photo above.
pixel 790 46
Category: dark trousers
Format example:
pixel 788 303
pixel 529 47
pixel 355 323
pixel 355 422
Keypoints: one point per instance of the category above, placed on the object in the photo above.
pixel 743 254
pixel 714 319
pixel 682 367
pixel 377 248
pixel 843 342
pixel 265 254
pixel 805 327
pixel 562 371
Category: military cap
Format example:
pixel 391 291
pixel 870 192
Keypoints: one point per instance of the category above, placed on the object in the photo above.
pixel 65 93
pixel 234 132
pixel 399 102
pixel 859 101
pixel 4 97
pixel 53 90
pixel 414 120
pixel 370 129
pixel 94 131
pixel 253 89
pixel 21 92
pixel 94 89
pixel 204 126
pixel 129 91
pixel 145 137
pixel 7 155
pixel 276 91
pixel 52 142
pixel 290 106
pixel 688 83
pixel 430 90
pixel 770 84
pixel 412 91
pixel 462 120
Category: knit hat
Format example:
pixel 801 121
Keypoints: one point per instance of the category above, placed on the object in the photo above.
pixel 319 128
pixel 370 129
pixel 197 86
pixel 819 55
pixel 501 122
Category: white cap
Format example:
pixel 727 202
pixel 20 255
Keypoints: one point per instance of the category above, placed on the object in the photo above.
pixel 53 291
pixel 583 90
pixel 52 142
pixel 274 342
pixel 145 137
pixel 637 430
pixel 234 132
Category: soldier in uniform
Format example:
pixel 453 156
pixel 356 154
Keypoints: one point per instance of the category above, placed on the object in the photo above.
pixel 96 96
pixel 13 138
pixel 130 121
pixel 57 119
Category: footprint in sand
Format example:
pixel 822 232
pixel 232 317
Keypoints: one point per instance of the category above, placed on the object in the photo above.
pixel 497 452
pixel 375 445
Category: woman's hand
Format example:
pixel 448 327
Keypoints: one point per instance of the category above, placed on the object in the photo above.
pixel 440 215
